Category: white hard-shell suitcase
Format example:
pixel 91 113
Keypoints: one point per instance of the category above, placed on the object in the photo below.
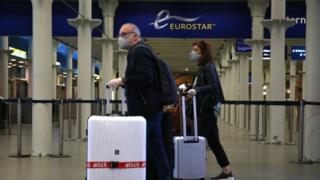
pixel 116 148
pixel 189 151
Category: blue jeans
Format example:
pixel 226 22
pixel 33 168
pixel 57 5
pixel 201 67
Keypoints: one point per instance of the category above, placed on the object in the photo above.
pixel 157 160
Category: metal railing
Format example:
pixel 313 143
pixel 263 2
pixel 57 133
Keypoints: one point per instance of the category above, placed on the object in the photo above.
pixel 64 105
pixel 263 107
pixel 100 108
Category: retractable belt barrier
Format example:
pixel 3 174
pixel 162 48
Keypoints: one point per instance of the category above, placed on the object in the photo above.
pixel 102 102
pixel 59 102
pixel 301 104
pixel 274 103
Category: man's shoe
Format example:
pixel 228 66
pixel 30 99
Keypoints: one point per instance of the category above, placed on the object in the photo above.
pixel 224 176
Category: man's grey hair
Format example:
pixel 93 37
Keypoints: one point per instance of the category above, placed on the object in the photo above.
pixel 136 30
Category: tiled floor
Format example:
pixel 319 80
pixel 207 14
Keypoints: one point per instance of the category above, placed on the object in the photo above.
pixel 250 160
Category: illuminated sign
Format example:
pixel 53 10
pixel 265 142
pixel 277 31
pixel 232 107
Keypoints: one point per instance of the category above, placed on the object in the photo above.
pixel 18 53
pixel 298 53
pixel 187 19
pixel 164 16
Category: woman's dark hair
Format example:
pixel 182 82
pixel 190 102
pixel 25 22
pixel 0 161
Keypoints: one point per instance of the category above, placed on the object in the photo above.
pixel 205 49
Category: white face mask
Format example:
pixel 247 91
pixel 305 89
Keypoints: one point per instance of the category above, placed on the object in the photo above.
pixel 123 42
pixel 194 56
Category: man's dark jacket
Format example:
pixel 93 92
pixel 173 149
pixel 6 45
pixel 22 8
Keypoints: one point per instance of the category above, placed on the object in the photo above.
pixel 142 82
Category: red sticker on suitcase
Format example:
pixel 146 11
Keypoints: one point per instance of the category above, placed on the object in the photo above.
pixel 116 165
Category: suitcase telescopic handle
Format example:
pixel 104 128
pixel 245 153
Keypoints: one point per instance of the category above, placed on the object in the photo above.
pixel 184 118
pixel 108 99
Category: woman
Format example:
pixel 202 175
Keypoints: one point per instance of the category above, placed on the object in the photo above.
pixel 207 88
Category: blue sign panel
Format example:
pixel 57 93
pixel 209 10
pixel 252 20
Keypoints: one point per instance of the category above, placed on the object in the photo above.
pixel 200 19
pixel 298 52
pixel 242 47
pixel 155 19
pixel 187 20
pixel 296 11
pixel 266 54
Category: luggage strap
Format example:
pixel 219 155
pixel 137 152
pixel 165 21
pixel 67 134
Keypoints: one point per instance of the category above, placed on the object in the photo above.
pixel 116 164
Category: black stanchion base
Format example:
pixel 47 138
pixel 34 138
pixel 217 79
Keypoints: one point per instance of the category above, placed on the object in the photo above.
pixel 264 142
pixel 59 156
pixel 255 139
pixel 9 134
pixel 82 140
pixel 290 143
pixel 302 162
pixel 20 156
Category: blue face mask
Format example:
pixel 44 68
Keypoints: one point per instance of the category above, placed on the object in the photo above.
pixel 194 56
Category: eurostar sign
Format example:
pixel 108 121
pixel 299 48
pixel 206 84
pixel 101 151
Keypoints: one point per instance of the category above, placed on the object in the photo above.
pixel 190 24
pixel 200 19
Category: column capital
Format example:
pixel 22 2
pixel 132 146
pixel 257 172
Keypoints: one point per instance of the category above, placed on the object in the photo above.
pixel 243 54
pixel 232 62
pixel 226 67
pixel 55 43
pixel 108 7
pixel 5 51
pixel 69 70
pixel 278 23
pixel 258 7
pixel 81 21
pixel 254 42
pixel 106 39
pixel 292 76
pixel 55 65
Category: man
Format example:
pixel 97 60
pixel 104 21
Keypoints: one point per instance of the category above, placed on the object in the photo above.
pixel 142 91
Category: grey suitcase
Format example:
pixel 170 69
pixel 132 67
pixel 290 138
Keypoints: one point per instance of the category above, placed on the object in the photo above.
pixel 189 151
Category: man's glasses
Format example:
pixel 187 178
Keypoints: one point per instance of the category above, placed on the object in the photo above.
pixel 124 34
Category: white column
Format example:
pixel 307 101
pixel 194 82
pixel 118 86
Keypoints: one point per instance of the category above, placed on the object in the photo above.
pixel 244 87
pixel 122 69
pixel 223 84
pixel 231 90
pixel 293 78
pixel 312 113
pixel 257 9
pixel 69 74
pixel 92 79
pixel 222 80
pixel 277 26
pixel 4 59
pixel 42 76
pixel 84 25
pixel 29 69
pixel 108 9
pixel 54 68
pixel 227 75
pixel 236 90
pixel 234 84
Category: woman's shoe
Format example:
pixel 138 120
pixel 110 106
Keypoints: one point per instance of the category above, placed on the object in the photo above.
pixel 225 176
